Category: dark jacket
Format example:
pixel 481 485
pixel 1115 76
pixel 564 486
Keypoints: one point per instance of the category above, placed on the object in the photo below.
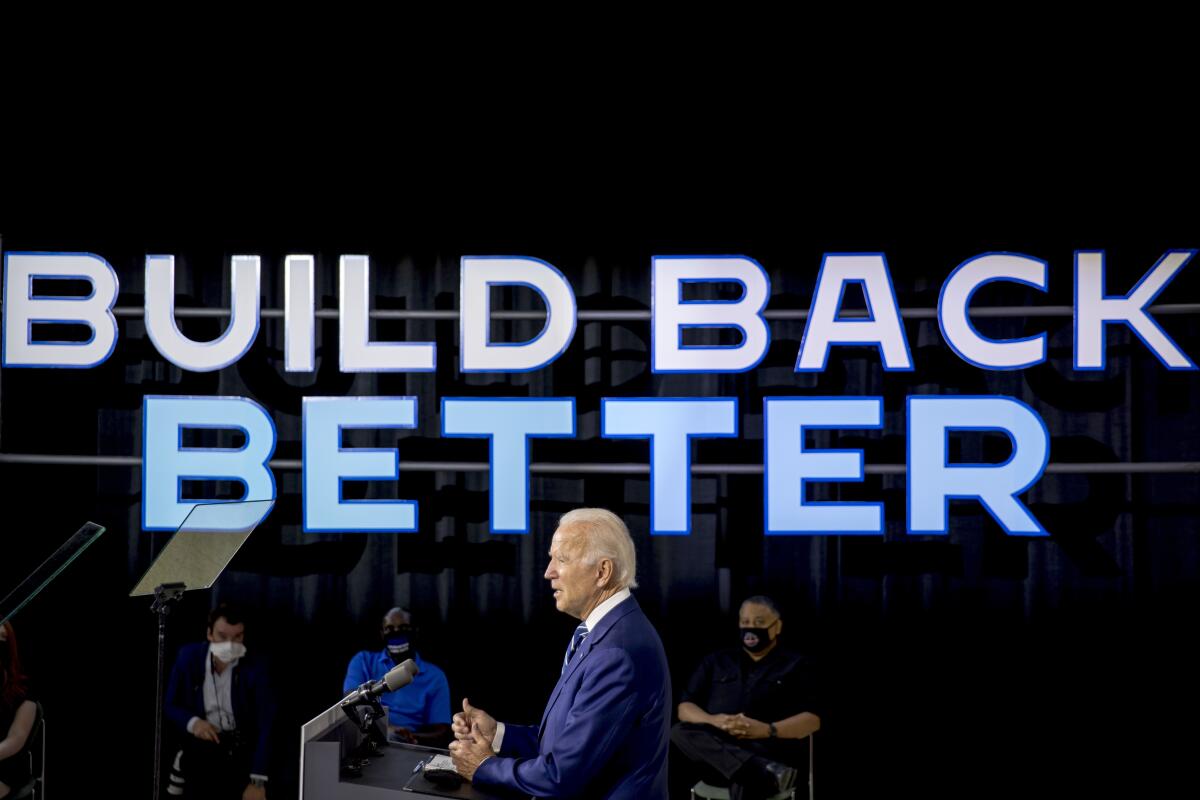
pixel 253 702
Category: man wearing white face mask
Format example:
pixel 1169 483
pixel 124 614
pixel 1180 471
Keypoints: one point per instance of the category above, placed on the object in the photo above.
pixel 221 697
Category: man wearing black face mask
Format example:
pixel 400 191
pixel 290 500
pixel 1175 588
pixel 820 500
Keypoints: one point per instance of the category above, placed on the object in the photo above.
pixel 746 709
pixel 417 713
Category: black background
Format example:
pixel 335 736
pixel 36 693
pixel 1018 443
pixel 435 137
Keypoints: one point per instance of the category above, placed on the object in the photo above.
pixel 1074 691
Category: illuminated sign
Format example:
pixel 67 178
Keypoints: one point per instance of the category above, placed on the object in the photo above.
pixel 668 424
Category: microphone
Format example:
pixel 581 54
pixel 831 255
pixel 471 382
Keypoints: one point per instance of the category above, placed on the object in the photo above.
pixel 396 678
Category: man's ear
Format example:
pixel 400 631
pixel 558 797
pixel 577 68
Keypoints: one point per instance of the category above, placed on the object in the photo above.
pixel 605 572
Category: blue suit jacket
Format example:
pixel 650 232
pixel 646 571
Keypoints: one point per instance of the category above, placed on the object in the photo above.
pixel 253 701
pixel 605 731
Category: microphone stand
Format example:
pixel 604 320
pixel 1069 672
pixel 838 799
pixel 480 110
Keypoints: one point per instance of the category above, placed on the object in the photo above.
pixel 366 712
pixel 164 595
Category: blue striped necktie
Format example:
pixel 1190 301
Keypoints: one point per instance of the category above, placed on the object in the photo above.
pixel 581 633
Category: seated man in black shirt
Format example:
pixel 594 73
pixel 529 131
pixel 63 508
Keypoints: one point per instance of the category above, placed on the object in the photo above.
pixel 746 708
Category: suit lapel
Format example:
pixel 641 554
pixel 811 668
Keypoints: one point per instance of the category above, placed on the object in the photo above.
pixel 623 609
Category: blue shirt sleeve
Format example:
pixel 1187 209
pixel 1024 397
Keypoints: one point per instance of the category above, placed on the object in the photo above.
pixel 437 704
pixel 357 673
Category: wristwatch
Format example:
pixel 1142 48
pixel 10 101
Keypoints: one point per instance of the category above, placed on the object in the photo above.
pixel 774 733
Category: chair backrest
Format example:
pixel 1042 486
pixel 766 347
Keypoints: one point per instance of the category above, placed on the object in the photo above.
pixel 35 746
pixel 35 751
pixel 41 765
pixel 811 749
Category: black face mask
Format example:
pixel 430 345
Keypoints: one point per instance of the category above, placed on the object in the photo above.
pixel 401 643
pixel 756 639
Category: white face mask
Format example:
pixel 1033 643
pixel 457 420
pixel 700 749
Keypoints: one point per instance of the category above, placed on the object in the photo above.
pixel 227 651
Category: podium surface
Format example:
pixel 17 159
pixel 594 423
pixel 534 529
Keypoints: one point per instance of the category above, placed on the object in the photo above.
pixel 328 738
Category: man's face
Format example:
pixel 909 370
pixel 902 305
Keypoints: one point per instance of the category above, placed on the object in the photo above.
pixel 394 622
pixel 222 631
pixel 754 615
pixel 398 636
pixel 573 581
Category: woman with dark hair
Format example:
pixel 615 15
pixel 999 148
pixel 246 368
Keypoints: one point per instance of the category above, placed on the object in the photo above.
pixel 17 715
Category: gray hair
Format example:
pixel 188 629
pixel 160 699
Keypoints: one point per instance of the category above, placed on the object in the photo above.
pixel 604 535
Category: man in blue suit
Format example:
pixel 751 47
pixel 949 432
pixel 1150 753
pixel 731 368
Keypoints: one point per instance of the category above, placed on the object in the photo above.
pixel 605 731
pixel 220 698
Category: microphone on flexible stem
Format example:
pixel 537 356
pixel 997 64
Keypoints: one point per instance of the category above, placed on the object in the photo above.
pixel 363 708
pixel 396 678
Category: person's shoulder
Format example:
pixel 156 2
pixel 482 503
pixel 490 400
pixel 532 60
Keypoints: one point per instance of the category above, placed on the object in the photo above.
pixel 258 659
pixel 629 607
pixel 364 655
pixel 628 615
pixel 23 698
pixel 633 631
pixel 432 670
pixel 723 655
pixel 794 654
pixel 794 659
pixel 193 650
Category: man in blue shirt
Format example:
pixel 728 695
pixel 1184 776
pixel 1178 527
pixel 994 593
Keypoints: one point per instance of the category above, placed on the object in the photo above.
pixel 420 712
